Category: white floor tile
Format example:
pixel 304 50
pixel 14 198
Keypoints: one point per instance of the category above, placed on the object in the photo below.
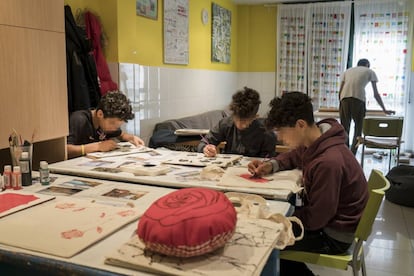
pixel 390 260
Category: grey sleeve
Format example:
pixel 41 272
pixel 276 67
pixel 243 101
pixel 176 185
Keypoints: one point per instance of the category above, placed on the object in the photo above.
pixel 275 165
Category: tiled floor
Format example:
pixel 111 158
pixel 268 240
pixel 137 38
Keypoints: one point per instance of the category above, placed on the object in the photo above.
pixel 390 249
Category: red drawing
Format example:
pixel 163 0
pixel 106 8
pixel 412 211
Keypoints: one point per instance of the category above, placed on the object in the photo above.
pixel 79 209
pixel 126 213
pixel 249 177
pixel 99 229
pixel 10 200
pixel 102 215
pixel 74 233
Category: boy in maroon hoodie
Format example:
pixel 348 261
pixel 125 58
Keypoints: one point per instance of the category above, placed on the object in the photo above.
pixel 335 189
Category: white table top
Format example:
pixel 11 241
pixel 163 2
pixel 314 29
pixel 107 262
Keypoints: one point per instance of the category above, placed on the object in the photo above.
pixel 93 257
pixel 179 177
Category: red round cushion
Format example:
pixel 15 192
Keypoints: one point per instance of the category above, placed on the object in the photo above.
pixel 188 222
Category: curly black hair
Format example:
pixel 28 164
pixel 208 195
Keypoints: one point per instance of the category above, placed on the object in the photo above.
pixel 114 104
pixel 245 103
pixel 286 110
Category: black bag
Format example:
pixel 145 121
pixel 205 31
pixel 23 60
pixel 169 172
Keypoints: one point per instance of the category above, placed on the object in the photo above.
pixel 402 185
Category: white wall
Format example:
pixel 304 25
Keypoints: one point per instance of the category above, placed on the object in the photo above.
pixel 160 93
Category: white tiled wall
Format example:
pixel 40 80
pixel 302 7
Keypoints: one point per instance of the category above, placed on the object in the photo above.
pixel 160 93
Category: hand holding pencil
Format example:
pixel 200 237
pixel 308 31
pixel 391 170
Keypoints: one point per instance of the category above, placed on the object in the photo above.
pixel 209 150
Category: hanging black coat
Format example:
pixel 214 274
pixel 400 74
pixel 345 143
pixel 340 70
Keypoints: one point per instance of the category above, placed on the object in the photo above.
pixel 82 77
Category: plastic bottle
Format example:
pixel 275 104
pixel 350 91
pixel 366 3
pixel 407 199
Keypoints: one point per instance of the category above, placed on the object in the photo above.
pixel 44 173
pixel 16 178
pixel 7 177
pixel 26 169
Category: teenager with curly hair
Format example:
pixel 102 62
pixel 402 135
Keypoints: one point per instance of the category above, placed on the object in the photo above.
pixel 93 130
pixel 243 132
pixel 335 189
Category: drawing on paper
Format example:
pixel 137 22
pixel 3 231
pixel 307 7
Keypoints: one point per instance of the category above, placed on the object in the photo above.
pixel 107 170
pixel 244 254
pixel 125 194
pixel 96 163
pixel 200 160
pixel 221 34
pixel 176 16
pixel 11 202
pixel 284 180
pixel 123 148
pixel 69 226
pixel 60 191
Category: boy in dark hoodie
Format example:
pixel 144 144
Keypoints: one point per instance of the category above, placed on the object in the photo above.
pixel 335 189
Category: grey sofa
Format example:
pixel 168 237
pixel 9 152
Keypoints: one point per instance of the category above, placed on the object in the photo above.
pixel 163 133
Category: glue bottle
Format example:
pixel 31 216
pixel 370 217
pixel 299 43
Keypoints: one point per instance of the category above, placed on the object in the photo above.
pixel 7 177
pixel 16 178
pixel 44 173
pixel 26 169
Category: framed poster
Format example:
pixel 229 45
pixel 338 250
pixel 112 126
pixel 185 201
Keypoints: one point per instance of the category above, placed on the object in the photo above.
pixel 176 31
pixel 147 8
pixel 220 34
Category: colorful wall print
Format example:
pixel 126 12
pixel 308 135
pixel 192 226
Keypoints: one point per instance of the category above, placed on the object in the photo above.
pixel 220 34
pixel 147 8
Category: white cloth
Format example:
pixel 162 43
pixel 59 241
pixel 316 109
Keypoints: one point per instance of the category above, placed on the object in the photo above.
pixel 355 80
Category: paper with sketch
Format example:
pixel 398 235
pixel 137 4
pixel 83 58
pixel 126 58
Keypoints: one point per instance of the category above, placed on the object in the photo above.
pixel 124 148
pixel 200 160
pixel 145 169
pixel 244 254
pixel 64 227
pixel 11 202
pixel 240 177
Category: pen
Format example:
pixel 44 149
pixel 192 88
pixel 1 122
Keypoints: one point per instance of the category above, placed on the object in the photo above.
pixel 204 139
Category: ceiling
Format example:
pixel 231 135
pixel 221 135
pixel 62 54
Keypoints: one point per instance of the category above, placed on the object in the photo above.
pixel 258 2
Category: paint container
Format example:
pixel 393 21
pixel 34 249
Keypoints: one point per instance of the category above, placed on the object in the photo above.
pixel 44 173
pixel 16 178
pixel 7 177
pixel 25 168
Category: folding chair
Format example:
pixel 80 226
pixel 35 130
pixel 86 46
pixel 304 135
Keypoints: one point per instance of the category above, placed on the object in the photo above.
pixel 377 185
pixel 383 133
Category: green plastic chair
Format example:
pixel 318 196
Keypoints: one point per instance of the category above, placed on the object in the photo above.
pixel 377 185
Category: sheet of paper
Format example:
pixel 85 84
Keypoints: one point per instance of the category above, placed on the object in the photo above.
pixel 244 254
pixel 240 177
pixel 200 160
pixel 64 227
pixel 124 148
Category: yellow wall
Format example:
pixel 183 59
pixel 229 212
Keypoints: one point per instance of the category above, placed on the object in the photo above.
pixel 136 39
pixel 257 38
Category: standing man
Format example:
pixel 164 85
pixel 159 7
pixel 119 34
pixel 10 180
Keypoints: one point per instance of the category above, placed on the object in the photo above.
pixel 352 98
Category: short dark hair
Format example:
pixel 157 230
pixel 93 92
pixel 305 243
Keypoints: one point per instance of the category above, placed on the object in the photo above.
pixel 245 103
pixel 114 104
pixel 286 110
pixel 363 62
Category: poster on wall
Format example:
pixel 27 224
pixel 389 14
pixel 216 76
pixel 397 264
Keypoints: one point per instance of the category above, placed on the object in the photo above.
pixel 220 34
pixel 176 31
pixel 147 8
